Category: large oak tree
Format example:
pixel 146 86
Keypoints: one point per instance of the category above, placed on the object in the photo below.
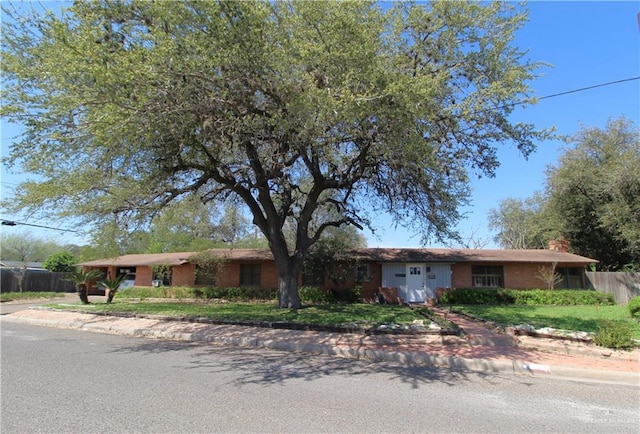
pixel 296 108
pixel 591 199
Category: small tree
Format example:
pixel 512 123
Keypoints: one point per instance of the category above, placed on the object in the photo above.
pixel 60 262
pixel 208 266
pixel 549 275
pixel 82 279
pixel 112 285
pixel 162 272
pixel 20 272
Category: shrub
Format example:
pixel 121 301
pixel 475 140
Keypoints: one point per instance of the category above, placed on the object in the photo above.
pixel 567 297
pixel 140 292
pixel 239 293
pixel 227 293
pixel 614 334
pixel 313 294
pixel 477 296
pixel 527 297
pixel 348 295
pixel 634 307
pixel 60 262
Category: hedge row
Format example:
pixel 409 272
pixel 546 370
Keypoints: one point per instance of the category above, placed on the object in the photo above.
pixel 231 294
pixel 308 294
pixel 563 297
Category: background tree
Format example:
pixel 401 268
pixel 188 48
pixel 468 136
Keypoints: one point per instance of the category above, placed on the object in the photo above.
pixel 192 226
pixel 549 276
pixel 129 106
pixel 520 224
pixel 60 262
pixel 469 240
pixel 591 199
pixel 594 194
pixel 183 226
pixel 25 247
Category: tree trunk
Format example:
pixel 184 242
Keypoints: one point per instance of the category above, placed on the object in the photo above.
pixel 289 269
pixel 288 296
pixel 82 293
pixel 110 294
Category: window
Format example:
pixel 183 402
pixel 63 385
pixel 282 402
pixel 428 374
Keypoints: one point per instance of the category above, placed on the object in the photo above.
pixel 572 278
pixel 487 276
pixel 362 273
pixel 250 274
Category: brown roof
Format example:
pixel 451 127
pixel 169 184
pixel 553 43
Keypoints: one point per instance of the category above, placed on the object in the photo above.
pixel 179 258
pixel 369 254
pixel 470 255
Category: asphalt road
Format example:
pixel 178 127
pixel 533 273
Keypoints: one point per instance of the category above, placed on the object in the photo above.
pixel 69 381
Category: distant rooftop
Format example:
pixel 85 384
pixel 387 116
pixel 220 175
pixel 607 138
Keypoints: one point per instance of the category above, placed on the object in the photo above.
pixel 20 264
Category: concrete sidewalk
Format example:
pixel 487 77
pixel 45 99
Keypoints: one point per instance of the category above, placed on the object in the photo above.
pixel 479 350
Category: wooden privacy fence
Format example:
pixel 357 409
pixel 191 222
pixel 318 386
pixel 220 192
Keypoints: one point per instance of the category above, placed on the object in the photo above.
pixel 34 281
pixel 623 286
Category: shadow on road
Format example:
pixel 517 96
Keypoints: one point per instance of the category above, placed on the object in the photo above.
pixel 269 367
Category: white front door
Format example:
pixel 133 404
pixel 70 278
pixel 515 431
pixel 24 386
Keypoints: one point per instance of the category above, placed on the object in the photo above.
pixel 416 290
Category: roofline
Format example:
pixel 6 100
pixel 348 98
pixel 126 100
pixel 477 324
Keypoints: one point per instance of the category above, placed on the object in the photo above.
pixel 383 255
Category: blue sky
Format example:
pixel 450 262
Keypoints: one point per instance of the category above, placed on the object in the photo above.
pixel 586 44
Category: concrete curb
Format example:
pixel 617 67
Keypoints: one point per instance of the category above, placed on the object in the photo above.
pixel 172 331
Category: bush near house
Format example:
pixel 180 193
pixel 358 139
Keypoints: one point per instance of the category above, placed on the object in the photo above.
pixel 180 292
pixel 238 293
pixel 526 297
pixel 308 294
pixel 614 334
pixel 634 307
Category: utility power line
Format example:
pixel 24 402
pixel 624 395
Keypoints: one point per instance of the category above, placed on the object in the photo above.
pixel 14 223
pixel 589 87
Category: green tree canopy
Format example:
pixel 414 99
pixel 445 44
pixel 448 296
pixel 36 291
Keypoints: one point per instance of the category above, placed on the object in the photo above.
pixel 290 107
pixel 520 224
pixel 25 247
pixel 60 262
pixel 594 194
pixel 591 199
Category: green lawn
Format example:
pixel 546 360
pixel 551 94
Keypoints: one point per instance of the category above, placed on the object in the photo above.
pixel 329 314
pixel 575 318
pixel 11 296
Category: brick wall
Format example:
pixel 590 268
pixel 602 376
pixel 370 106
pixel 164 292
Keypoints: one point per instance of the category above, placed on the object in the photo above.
pixel 516 275
pixel 230 275
pixel 522 276
pixel 461 276
pixel 269 275
pixel 144 276
pixel 183 275
pixel 369 287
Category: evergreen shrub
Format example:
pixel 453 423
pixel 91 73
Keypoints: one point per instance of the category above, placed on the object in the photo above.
pixel 313 294
pixel 563 297
pixel 614 334
pixel 634 307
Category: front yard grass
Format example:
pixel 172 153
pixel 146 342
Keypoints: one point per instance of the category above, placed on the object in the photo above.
pixel 320 314
pixel 574 318
pixel 12 296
